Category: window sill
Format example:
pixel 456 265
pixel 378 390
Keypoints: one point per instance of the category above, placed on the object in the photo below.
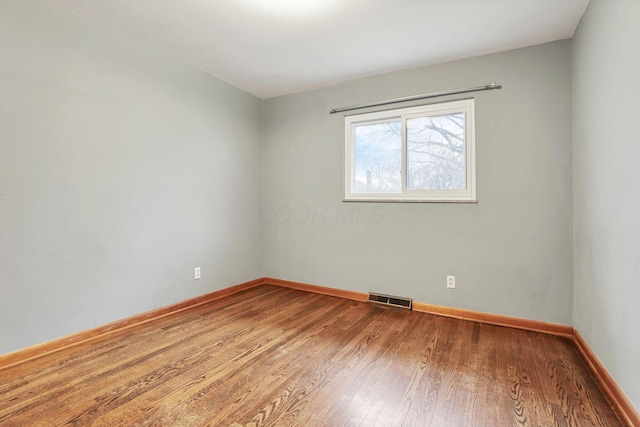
pixel 466 202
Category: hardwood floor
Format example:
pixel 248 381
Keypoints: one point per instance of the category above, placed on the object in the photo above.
pixel 271 356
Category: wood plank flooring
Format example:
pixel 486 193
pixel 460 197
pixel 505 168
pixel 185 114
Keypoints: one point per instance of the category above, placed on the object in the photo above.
pixel 272 356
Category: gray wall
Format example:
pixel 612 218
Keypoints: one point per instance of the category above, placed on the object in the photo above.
pixel 606 89
pixel 512 253
pixel 120 171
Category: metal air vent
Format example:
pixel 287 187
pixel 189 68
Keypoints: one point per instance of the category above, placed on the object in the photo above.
pixel 401 302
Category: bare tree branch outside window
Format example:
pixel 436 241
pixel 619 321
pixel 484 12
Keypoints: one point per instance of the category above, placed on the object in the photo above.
pixel 435 154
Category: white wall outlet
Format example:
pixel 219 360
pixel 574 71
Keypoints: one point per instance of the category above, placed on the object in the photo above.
pixel 196 273
pixel 451 282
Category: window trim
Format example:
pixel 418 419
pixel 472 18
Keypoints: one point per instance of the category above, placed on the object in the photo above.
pixel 467 195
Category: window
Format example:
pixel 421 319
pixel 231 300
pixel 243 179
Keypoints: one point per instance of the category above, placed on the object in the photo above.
pixel 412 154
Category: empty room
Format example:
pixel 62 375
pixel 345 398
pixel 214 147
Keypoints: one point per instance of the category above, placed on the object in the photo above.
pixel 319 213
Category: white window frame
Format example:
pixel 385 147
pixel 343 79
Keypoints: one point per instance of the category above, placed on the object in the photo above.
pixel 467 195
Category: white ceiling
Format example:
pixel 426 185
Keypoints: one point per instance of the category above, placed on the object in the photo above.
pixel 275 47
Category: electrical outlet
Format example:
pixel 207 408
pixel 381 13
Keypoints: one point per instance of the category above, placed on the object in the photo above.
pixel 451 282
pixel 196 273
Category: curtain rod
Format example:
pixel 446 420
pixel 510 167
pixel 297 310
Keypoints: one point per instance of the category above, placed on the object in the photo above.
pixel 489 86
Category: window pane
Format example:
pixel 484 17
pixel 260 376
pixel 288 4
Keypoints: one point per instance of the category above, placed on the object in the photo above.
pixel 378 158
pixel 435 152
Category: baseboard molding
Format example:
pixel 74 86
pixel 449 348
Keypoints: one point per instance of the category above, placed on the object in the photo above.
pixel 333 292
pixel 607 384
pixel 30 353
pixel 495 319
